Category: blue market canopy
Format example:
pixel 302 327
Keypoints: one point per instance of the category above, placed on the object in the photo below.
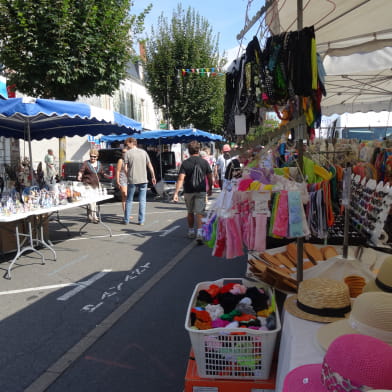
pixel 167 136
pixel 30 118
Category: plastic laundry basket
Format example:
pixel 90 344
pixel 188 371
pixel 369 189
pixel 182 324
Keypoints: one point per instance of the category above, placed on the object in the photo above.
pixel 233 353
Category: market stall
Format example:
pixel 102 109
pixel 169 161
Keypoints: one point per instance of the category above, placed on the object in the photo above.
pixel 28 221
pixel 169 136
pixel 268 202
pixel 36 119
pixel 161 137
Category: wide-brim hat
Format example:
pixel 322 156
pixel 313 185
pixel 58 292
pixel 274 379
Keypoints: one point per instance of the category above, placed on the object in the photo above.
pixel 351 363
pixel 383 281
pixel 304 378
pixel 371 315
pixel 321 300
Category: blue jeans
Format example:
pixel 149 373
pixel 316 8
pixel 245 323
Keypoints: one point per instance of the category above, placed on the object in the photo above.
pixel 142 188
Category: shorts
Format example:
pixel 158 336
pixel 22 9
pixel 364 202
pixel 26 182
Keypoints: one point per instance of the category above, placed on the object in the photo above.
pixel 123 179
pixel 195 202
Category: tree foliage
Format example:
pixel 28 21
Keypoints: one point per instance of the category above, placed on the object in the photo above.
pixel 186 42
pixel 65 48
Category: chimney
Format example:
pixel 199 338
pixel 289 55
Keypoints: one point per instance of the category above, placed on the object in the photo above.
pixel 142 51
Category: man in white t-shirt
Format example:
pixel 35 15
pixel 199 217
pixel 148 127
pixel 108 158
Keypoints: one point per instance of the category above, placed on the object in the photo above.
pixel 223 160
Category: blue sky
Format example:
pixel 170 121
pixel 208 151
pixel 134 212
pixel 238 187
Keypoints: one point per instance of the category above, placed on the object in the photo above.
pixel 226 17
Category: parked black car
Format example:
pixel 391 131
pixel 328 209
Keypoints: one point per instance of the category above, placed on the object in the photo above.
pixel 109 157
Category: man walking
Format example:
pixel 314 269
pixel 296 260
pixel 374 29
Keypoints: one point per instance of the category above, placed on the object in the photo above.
pixel 222 162
pixel 136 163
pixel 192 175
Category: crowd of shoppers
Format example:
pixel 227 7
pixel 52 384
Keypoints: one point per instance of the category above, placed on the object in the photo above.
pixel 135 168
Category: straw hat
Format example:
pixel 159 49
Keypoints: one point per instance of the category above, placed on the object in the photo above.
pixel 371 315
pixel 352 363
pixel 319 299
pixel 383 281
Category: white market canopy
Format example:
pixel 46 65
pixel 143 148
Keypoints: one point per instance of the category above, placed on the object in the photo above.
pixel 354 38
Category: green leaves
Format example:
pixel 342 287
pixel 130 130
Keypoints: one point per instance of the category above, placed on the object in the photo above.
pixel 65 48
pixel 186 42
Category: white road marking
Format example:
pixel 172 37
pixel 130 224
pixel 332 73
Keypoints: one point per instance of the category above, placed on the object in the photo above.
pixel 82 285
pixel 81 258
pixel 54 286
pixel 46 379
pixel 166 232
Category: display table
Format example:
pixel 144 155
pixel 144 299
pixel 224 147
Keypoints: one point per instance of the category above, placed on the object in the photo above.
pixel 299 345
pixel 34 221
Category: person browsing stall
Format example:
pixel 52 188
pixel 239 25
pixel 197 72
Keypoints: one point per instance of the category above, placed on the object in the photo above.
pixel 222 162
pixel 50 166
pixel 195 196
pixel 90 173
pixel 136 163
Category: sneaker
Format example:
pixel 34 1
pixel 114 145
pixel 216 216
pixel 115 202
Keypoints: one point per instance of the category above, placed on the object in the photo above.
pixel 141 223
pixel 199 237
pixel 191 233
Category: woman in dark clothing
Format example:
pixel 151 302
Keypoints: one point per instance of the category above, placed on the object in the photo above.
pixel 91 170
pixel 90 173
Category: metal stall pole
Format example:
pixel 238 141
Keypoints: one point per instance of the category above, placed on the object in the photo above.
pixel 28 131
pixel 346 202
pixel 300 146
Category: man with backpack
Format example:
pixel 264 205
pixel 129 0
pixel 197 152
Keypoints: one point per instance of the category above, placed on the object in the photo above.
pixel 192 175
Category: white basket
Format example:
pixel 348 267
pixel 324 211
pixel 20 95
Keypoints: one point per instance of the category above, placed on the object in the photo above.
pixel 232 353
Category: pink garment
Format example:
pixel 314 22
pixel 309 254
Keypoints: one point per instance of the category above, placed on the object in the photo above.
pixel 252 231
pixel 234 246
pixel 220 243
pixel 244 184
pixel 281 223
pixel 260 233
pixel 245 222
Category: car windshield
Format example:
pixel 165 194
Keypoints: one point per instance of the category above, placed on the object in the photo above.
pixel 109 155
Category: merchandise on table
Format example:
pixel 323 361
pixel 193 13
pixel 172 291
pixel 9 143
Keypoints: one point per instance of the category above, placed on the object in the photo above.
pixel 320 299
pixel 233 326
pixel 371 315
pixel 352 363
pixel 383 281
pixel 278 267
pixel 34 198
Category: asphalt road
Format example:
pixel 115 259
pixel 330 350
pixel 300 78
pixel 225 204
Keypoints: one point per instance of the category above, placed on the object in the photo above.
pixel 109 313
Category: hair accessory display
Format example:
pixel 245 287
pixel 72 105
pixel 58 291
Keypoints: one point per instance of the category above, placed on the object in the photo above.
pixel 371 202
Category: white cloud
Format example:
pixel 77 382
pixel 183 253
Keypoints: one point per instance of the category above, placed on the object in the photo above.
pixel 232 54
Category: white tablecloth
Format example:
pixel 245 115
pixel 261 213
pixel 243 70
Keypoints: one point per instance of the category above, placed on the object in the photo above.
pixel 62 207
pixel 299 345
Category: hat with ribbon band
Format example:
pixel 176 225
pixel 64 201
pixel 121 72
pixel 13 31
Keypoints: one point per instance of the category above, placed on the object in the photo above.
pixel 371 315
pixel 319 299
pixel 383 281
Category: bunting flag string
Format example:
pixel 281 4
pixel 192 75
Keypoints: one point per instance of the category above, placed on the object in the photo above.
pixel 212 71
